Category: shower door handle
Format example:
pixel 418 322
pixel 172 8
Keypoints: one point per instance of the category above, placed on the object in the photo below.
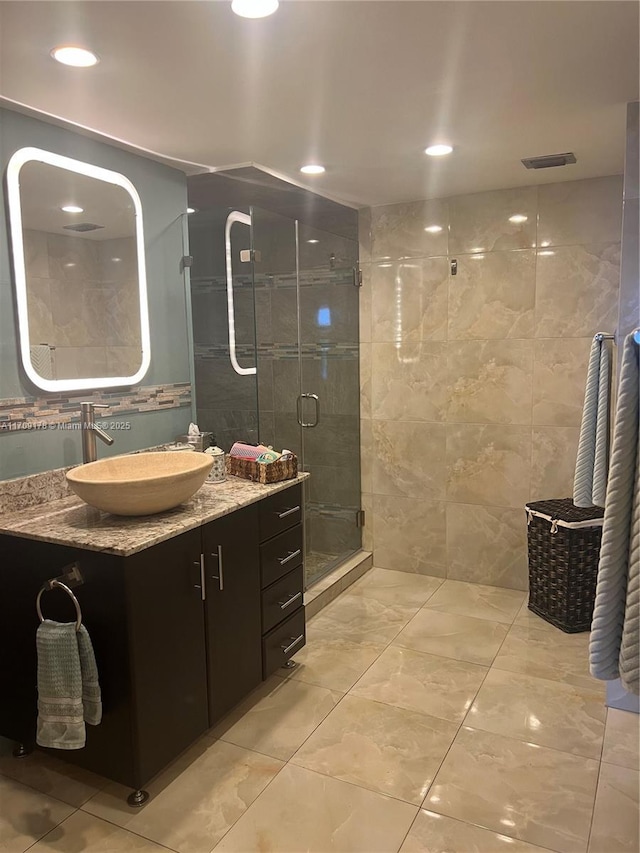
pixel 310 424
pixel 244 219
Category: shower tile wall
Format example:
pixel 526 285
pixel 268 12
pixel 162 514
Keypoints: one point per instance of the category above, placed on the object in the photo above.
pixel 95 332
pixel 472 385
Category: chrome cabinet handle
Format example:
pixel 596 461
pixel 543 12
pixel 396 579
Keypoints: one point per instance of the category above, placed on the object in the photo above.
pixel 289 601
pixel 287 649
pixel 288 512
pixel 309 424
pixel 289 556
pixel 202 585
pixel 234 216
pixel 220 576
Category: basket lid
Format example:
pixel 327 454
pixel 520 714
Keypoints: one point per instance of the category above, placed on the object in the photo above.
pixel 564 509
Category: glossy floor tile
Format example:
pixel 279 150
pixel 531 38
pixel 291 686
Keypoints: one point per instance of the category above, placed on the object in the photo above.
pixel 417 681
pixel 278 717
pixel 26 815
pixel 194 804
pixel 396 587
pixel 622 739
pixel 333 662
pixel 540 711
pixel 616 817
pixel 474 599
pixel 362 620
pixel 536 794
pixel 49 775
pixel 303 810
pixel 403 698
pixel 453 636
pixel 84 832
pixel 435 833
pixel 377 746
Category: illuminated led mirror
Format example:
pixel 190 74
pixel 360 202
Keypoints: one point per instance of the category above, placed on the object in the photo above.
pixel 79 269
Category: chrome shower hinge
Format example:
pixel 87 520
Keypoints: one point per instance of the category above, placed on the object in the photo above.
pixel 357 277
pixel 360 518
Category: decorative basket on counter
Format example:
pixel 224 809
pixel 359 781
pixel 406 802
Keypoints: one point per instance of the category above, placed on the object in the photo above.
pixel 263 472
pixel 564 549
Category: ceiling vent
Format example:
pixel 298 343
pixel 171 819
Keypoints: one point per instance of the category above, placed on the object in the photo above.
pixel 82 226
pixel 549 160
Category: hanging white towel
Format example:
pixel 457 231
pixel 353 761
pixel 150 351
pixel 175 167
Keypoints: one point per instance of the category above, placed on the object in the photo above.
pixel 615 630
pixel 42 360
pixel 590 483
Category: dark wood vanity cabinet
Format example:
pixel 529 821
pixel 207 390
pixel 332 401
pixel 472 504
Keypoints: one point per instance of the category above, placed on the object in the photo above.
pixel 182 631
pixel 232 606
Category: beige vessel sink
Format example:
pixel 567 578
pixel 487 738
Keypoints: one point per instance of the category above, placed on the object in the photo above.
pixel 140 484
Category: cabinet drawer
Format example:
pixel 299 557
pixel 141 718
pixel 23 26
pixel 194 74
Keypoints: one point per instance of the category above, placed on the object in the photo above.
pixel 282 598
pixel 280 554
pixel 283 642
pixel 280 512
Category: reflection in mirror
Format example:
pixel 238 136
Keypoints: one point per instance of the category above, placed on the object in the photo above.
pixel 78 252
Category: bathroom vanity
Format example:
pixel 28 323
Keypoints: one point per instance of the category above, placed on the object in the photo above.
pixel 188 611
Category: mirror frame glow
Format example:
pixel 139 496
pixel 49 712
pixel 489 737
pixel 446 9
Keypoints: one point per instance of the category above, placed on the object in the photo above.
pixel 17 161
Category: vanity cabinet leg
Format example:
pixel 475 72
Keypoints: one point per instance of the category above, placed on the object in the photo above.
pixel 137 799
pixel 22 751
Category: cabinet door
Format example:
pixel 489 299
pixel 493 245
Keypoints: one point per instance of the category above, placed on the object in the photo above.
pixel 168 651
pixel 232 606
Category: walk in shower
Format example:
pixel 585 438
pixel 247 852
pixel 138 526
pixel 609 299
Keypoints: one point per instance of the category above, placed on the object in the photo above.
pixel 275 327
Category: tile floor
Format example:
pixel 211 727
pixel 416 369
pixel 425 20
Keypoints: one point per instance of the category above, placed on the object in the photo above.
pixel 425 715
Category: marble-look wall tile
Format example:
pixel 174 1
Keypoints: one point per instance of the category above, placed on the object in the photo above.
pixel 577 290
pixel 488 464
pixel 481 222
pixel 123 361
pixel 365 380
pixel 409 381
pixel 364 234
pixel 41 330
pixel 409 459
pixel 36 255
pixel 409 300
pixel 398 230
pixel 559 375
pixel 366 295
pixel 73 258
pixel 409 535
pixel 588 211
pixel 493 296
pixel 80 362
pixel 553 461
pixel 489 381
pixel 368 531
pixel 366 455
pixel 487 545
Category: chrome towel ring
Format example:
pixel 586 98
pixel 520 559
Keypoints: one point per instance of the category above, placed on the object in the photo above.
pixel 49 585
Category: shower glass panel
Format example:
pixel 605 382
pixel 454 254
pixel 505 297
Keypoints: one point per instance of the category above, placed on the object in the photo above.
pixel 328 298
pixel 227 402
pixel 308 374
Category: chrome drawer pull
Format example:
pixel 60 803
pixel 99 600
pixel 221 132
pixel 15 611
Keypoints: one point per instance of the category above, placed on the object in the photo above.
pixel 290 556
pixel 220 576
pixel 287 649
pixel 289 601
pixel 288 512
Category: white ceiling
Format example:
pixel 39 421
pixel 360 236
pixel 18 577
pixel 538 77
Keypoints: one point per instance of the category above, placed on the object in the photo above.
pixel 361 87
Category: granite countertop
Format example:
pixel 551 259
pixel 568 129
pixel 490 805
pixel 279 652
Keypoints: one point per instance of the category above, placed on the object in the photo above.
pixel 69 521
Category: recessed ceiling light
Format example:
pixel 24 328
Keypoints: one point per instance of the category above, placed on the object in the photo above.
pixel 79 57
pixel 433 229
pixel 313 241
pixel 72 208
pixel 518 218
pixel 312 169
pixel 192 210
pixel 438 150
pixel 254 8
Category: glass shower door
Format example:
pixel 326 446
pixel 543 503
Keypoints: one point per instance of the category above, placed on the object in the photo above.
pixel 306 310
pixel 329 417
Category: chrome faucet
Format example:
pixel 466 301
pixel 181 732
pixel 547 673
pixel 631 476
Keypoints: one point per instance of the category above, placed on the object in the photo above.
pixel 90 430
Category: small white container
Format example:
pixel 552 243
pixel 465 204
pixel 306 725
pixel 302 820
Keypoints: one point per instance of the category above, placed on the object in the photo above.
pixel 218 473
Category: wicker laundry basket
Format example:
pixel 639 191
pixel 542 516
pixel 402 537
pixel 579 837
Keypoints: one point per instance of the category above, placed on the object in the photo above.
pixel 564 549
